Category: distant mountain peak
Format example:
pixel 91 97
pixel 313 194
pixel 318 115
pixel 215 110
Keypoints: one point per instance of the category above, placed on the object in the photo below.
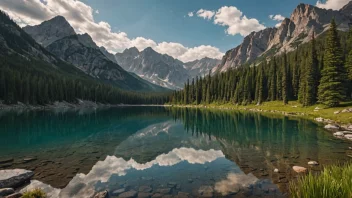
pixel 50 30
pixel 304 20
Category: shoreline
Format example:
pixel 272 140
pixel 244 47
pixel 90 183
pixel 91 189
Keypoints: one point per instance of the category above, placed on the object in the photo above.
pixel 329 124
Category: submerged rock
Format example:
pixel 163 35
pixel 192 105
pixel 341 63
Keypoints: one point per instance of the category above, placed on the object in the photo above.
pixel 6 191
pixel 118 191
pixel 299 169
pixel 146 189
pixel 206 191
pixel 128 194
pixel 14 177
pixel 144 195
pixel 276 170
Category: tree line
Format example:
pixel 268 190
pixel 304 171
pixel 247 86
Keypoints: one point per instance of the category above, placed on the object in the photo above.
pixel 316 72
pixel 20 84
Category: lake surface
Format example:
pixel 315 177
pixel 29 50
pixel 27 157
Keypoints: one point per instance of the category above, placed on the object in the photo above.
pixel 163 151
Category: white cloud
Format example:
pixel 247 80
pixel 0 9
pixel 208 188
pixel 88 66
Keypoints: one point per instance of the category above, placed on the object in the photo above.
pixel 234 181
pixel 97 12
pixel 233 19
pixel 81 18
pixel 277 17
pixel 201 52
pixel 206 14
pixel 190 14
pixel 332 4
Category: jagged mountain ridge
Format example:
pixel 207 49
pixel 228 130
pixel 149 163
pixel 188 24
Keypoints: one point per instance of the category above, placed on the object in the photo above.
pixel 163 69
pixel 82 52
pixel 293 31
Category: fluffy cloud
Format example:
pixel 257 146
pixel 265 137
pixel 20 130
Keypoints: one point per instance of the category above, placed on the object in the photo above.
pixel 190 14
pixel 332 4
pixel 232 18
pixel 206 14
pixel 201 52
pixel 277 17
pixel 80 16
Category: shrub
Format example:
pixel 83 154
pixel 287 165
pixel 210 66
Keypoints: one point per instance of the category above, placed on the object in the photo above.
pixel 35 193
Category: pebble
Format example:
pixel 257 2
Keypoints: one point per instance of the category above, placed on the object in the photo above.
pixel 276 170
pixel 313 163
pixel 299 169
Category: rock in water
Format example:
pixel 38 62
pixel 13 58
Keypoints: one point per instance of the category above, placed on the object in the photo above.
pixel 299 169
pixel 206 191
pixel 313 163
pixel 6 191
pixel 128 194
pixel 331 126
pixel 14 195
pixel 118 191
pixel 103 194
pixel 339 134
pixel 276 170
pixel 14 177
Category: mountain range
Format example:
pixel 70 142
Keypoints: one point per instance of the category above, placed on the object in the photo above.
pixel 59 38
pixel 292 32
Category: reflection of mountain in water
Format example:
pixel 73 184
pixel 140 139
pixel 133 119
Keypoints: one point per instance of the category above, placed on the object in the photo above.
pixel 156 139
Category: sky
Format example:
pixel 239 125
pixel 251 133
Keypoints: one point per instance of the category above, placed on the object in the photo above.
pixel 184 29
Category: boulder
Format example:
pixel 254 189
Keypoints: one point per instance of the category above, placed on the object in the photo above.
pixel 128 194
pixel 6 191
pixel 103 194
pixel 331 126
pixel 299 169
pixel 337 112
pixel 144 195
pixel 313 163
pixel 339 134
pixel 348 136
pixel 146 189
pixel 14 195
pixel 14 177
pixel 118 191
pixel 320 119
pixel 206 191
pixel 345 111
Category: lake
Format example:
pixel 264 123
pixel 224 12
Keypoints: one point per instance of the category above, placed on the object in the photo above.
pixel 163 151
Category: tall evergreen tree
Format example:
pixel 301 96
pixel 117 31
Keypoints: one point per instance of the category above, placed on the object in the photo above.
pixel 311 80
pixel 284 81
pixel 349 62
pixel 331 88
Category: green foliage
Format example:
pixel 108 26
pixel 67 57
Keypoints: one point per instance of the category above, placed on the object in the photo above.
pixel 334 181
pixel 35 193
pixel 331 88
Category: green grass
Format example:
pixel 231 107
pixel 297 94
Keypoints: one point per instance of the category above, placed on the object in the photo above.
pixel 35 193
pixel 295 108
pixel 335 181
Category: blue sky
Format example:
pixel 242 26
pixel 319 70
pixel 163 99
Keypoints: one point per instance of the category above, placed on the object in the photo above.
pixel 164 20
pixel 215 27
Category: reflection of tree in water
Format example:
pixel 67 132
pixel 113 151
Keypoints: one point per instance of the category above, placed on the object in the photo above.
pixel 259 144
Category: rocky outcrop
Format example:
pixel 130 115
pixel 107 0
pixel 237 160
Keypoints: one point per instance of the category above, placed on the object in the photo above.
pixel 160 69
pixel 15 177
pixel 293 31
pixel 50 31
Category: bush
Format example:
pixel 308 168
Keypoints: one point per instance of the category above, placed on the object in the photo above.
pixel 35 193
pixel 334 181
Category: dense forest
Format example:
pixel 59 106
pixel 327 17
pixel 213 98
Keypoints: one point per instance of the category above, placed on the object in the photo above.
pixel 316 72
pixel 30 80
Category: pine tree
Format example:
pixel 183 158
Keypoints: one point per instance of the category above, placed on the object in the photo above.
pixel 272 77
pixel 331 89
pixel 348 64
pixel 284 81
pixel 311 77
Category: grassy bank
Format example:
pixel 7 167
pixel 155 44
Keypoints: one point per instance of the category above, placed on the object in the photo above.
pixel 334 181
pixel 293 108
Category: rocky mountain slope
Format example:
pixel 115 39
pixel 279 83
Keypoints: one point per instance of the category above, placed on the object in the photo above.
pixel 80 50
pixel 162 69
pixel 293 31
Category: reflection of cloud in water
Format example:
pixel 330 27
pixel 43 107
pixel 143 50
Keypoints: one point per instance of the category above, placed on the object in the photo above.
pixel 84 185
pixel 154 130
pixel 233 182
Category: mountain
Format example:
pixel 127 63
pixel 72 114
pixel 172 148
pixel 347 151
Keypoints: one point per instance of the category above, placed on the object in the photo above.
pixel 201 67
pixel 80 50
pixel 292 32
pixel 158 68
pixel 162 69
